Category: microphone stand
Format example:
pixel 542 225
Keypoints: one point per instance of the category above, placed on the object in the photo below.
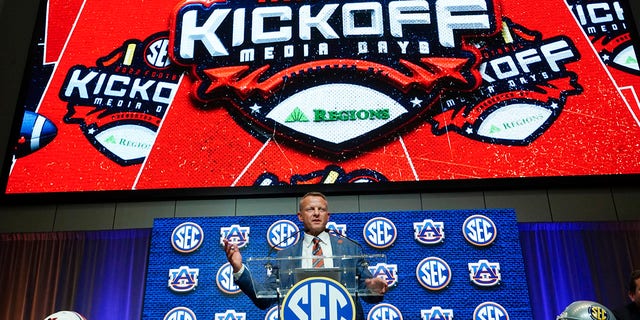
pixel 275 269
pixel 365 264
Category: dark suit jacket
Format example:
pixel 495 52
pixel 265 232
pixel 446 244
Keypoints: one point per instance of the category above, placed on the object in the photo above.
pixel 628 312
pixel 339 246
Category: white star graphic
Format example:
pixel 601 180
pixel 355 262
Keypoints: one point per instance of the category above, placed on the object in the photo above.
pixel 469 130
pixel 255 108
pixel 91 131
pixel 554 105
pixel 416 102
pixel 605 57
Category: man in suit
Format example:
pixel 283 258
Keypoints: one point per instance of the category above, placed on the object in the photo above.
pixel 631 311
pixel 314 214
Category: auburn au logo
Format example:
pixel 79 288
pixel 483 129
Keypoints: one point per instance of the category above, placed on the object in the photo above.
pixel 335 76
pixel 183 279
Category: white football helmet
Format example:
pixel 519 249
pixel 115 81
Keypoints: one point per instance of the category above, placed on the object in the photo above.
pixel 65 315
pixel 586 310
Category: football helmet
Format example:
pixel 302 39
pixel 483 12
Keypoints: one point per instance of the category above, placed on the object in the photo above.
pixel 586 310
pixel 65 315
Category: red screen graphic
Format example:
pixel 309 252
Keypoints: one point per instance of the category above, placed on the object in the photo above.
pixel 200 94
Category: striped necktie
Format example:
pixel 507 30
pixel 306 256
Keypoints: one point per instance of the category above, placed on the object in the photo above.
pixel 317 251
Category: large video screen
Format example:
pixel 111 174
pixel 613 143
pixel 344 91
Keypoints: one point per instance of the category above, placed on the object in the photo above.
pixel 256 95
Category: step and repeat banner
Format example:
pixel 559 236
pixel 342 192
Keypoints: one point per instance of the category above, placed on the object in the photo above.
pixel 462 264
pixel 216 95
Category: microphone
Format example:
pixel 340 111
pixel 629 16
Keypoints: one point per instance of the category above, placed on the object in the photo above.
pixel 363 263
pixel 340 235
pixel 269 266
pixel 273 247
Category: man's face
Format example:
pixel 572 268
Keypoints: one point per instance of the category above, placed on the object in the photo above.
pixel 314 214
pixel 635 296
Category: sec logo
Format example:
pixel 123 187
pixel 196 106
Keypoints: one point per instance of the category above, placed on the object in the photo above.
pixel 380 232
pixel 318 298
pixel 479 230
pixel 156 53
pixel 384 311
pixel 490 311
pixel 224 279
pixel 180 313
pixel 433 273
pixel 282 234
pixel 187 237
pixel 272 314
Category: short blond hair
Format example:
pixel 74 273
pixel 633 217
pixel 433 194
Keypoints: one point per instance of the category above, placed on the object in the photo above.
pixel 312 194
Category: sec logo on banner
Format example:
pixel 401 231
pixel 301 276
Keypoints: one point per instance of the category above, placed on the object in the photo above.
pixel 180 313
pixel 479 230
pixel 490 311
pixel 380 232
pixel 187 237
pixel 433 273
pixel 384 311
pixel 282 234
pixel 224 280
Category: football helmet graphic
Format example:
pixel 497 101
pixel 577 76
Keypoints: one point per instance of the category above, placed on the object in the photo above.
pixel 586 310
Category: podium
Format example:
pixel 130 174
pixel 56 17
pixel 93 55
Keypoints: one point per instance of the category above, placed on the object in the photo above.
pixel 313 293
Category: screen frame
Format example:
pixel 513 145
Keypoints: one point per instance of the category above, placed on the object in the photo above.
pixel 430 186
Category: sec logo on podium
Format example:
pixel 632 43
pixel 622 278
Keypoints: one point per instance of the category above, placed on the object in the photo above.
pixel 318 298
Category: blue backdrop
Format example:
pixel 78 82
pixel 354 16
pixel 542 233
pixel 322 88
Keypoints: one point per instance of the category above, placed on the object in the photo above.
pixel 209 299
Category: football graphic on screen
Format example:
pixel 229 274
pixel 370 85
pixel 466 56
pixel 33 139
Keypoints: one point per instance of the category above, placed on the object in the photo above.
pixel 35 133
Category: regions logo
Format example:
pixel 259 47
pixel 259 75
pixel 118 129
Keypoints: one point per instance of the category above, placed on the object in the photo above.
pixel 183 279
pixel 605 24
pixel 331 174
pixel 180 313
pixel 384 311
pixel 484 273
pixel 387 272
pixel 380 232
pixel 433 273
pixel 230 315
pixel 282 234
pixel 490 310
pixel 525 85
pixel 428 231
pixel 337 229
pixel 187 237
pixel 120 103
pixel 272 314
pixel 334 77
pixel 224 280
pixel 318 298
pixel 436 313
pixel 479 230
pixel 235 234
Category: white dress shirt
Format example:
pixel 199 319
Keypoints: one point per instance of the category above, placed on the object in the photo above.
pixel 307 250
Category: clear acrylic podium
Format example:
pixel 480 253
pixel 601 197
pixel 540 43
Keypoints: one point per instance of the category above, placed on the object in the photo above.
pixel 274 277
